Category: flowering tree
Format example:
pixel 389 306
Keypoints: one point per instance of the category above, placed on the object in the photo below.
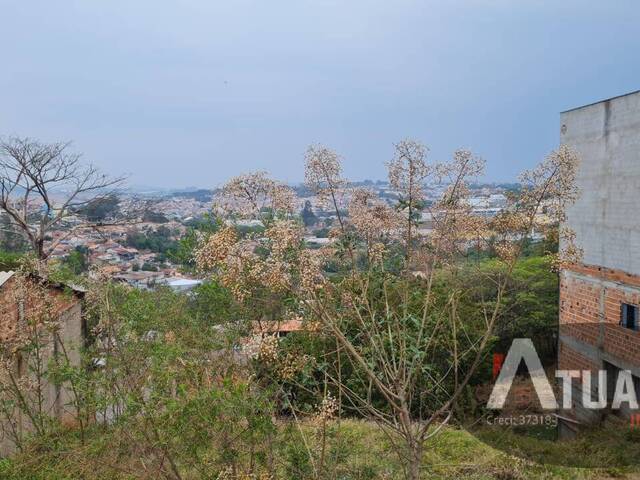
pixel 259 270
pixel 410 352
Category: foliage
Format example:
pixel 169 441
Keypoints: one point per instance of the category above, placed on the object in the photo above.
pixel 100 209
pixel 11 238
pixel 198 230
pixel 321 232
pixel 149 267
pixel 308 217
pixel 170 387
pixel 213 304
pixel 531 305
pixel 154 217
pixel 197 385
pixel 39 171
pixel 9 260
pixel 77 260
pixel 159 240
pixel 405 355
pixel 359 452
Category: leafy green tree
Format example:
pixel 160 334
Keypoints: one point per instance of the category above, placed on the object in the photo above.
pixel 160 240
pixel 149 267
pixel 101 208
pixel 183 252
pixel 321 232
pixel 154 217
pixel 532 306
pixel 77 260
pixel 9 260
pixel 173 392
pixel 213 303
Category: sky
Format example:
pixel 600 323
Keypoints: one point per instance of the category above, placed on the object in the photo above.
pixel 190 93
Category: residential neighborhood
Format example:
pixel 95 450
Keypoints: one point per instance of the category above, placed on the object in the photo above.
pixel 320 240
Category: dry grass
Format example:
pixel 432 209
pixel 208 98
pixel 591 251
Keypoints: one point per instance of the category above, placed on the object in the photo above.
pixel 357 451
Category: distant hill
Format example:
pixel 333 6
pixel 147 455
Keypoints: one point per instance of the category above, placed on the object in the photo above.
pixel 201 195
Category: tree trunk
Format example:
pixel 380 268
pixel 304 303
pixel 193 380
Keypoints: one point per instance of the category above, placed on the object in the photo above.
pixel 414 466
pixel 39 248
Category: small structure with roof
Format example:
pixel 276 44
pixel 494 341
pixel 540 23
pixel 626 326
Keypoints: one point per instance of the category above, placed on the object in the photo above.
pixel 30 304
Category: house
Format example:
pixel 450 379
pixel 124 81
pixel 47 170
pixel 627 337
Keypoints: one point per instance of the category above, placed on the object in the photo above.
pixel 142 279
pixel 313 241
pixel 179 284
pixel 281 328
pixel 600 295
pixel 124 253
pixel 29 307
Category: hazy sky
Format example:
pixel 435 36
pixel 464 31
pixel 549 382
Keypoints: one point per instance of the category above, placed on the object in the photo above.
pixel 191 92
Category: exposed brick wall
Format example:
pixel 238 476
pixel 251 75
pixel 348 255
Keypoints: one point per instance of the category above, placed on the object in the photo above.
pixel 614 298
pixel 8 313
pixel 590 307
pixel 579 300
pixel 56 302
pixel 39 302
pixel 623 343
pixel 521 397
pixel 606 136
pixel 595 297
pixel 580 309
pixel 604 273
pixel 570 359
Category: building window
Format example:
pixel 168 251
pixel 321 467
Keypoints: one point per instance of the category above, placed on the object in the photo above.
pixel 629 316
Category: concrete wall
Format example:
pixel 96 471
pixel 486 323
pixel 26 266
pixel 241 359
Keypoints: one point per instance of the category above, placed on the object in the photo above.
pixel 606 217
pixel 605 220
pixel 69 345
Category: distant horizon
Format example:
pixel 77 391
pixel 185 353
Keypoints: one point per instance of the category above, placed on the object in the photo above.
pixel 193 188
pixel 203 91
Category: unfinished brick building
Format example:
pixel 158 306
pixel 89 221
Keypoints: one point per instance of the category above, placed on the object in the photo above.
pixel 30 306
pixel 599 298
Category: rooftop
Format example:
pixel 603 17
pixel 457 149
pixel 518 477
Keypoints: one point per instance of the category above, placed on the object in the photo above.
pixel 178 282
pixel 600 101
pixel 285 326
pixel 4 276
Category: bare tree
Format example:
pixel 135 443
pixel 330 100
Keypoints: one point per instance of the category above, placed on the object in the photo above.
pixel 51 177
